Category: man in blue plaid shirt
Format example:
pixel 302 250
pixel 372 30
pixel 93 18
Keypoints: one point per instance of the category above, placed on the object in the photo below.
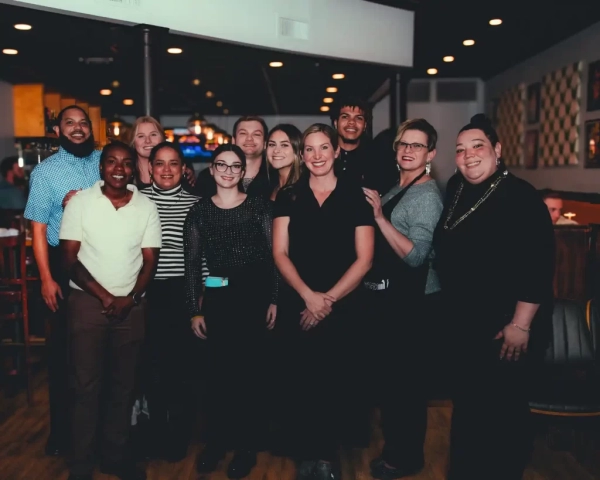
pixel 76 166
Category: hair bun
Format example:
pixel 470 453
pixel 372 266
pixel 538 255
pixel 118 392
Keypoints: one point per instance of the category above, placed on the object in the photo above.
pixel 481 119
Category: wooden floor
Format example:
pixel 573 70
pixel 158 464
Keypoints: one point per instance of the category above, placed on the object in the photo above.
pixel 23 432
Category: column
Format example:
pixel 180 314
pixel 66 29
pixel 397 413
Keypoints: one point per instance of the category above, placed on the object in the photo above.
pixel 398 100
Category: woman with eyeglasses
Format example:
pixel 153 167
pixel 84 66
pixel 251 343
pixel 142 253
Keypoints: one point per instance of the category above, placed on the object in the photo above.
pixel 399 287
pixel 232 231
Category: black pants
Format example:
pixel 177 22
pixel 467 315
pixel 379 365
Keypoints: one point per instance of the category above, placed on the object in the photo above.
pixel 167 363
pixel 320 379
pixel 104 356
pixel 58 355
pixel 491 421
pixel 236 367
pixel 398 332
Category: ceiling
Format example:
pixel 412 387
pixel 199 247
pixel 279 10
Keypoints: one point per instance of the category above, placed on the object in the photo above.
pixel 54 52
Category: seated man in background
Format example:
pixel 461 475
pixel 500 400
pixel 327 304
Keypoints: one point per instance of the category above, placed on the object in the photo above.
pixel 13 176
pixel 555 207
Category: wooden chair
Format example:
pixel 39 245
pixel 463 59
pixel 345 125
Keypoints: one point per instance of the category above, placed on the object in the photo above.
pixel 572 271
pixel 13 292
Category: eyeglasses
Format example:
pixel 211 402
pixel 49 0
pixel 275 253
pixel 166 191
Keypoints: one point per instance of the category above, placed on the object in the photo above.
pixel 415 147
pixel 223 167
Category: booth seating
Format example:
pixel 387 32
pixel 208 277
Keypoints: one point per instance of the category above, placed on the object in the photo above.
pixel 565 390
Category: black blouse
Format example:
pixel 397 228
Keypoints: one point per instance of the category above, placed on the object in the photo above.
pixel 500 254
pixel 227 239
pixel 322 238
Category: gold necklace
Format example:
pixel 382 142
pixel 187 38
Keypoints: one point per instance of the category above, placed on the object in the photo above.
pixel 488 192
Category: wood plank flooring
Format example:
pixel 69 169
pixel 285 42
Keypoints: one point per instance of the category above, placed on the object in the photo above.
pixel 23 435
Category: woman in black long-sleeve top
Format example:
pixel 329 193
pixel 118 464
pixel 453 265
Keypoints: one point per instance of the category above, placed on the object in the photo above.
pixel 495 259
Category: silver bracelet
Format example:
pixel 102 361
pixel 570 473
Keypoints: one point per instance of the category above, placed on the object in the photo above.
pixel 526 330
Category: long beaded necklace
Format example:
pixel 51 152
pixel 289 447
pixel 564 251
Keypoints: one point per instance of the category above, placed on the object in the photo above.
pixel 488 192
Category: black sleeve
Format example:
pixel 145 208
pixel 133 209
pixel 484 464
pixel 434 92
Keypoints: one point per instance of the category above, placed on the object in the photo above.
pixel 361 210
pixel 533 246
pixel 267 223
pixel 193 255
pixel 205 184
pixel 283 203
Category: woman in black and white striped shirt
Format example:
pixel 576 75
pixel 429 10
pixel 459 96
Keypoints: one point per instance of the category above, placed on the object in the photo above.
pixel 168 339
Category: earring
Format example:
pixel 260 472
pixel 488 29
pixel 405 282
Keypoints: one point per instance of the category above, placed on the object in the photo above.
pixel 427 168
pixel 497 161
pixel 398 166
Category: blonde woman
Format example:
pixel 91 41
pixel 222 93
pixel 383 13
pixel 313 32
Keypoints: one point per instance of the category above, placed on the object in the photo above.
pixel 147 132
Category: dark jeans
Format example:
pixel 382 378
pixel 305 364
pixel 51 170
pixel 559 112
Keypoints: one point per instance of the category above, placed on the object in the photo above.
pixel 167 363
pixel 236 367
pixel 491 421
pixel 57 355
pixel 398 331
pixel 104 355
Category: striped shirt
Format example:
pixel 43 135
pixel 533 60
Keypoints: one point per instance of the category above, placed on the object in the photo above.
pixel 173 206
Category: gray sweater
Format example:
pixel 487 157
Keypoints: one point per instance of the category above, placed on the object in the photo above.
pixel 416 217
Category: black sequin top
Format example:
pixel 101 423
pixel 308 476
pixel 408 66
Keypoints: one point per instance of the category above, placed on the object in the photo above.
pixel 227 239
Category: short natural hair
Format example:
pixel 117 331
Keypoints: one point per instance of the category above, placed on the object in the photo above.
pixel 61 114
pixel 118 144
pixel 351 102
pixel 7 165
pixel 421 125
pixel 145 119
pixel 250 118
pixel 328 131
pixel 551 194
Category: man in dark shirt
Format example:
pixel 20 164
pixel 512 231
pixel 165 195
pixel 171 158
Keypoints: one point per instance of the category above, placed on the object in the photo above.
pixel 358 161
pixel 249 133
pixel 11 195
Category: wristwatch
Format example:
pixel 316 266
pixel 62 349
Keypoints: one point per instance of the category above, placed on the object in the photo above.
pixel 136 297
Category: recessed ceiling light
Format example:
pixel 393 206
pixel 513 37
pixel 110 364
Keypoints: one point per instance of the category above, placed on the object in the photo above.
pixel 225 111
pixel 22 26
pixel 448 58
pixel 328 100
pixel 128 102
pixel 105 91
pixel 468 43
pixel 174 50
pixel 338 76
pixel 10 51
pixel 432 71
pixel 496 21
pixel 219 103
pixel 116 84
pixel 196 81
pixel 209 94
pixel 276 64
pixel 331 89
pixel 324 108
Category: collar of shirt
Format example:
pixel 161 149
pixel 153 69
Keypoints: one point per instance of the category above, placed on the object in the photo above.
pixel 98 193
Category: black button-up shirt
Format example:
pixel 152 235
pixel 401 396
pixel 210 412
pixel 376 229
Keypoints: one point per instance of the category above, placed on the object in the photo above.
pixel 322 238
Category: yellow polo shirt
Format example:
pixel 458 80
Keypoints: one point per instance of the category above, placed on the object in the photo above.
pixel 111 239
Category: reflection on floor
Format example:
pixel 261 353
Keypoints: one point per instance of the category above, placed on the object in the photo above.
pixel 23 432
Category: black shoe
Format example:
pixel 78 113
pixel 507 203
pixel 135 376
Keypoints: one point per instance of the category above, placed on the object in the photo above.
pixel 306 469
pixel 54 448
pixel 80 477
pixel 381 471
pixel 326 471
pixel 127 471
pixel 208 460
pixel 241 464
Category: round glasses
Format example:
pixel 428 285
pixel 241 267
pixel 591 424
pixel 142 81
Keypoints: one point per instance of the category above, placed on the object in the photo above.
pixel 223 167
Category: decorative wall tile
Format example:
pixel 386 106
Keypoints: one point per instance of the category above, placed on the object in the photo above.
pixel 510 125
pixel 560 116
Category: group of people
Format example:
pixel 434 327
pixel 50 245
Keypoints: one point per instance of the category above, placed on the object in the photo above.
pixel 311 271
